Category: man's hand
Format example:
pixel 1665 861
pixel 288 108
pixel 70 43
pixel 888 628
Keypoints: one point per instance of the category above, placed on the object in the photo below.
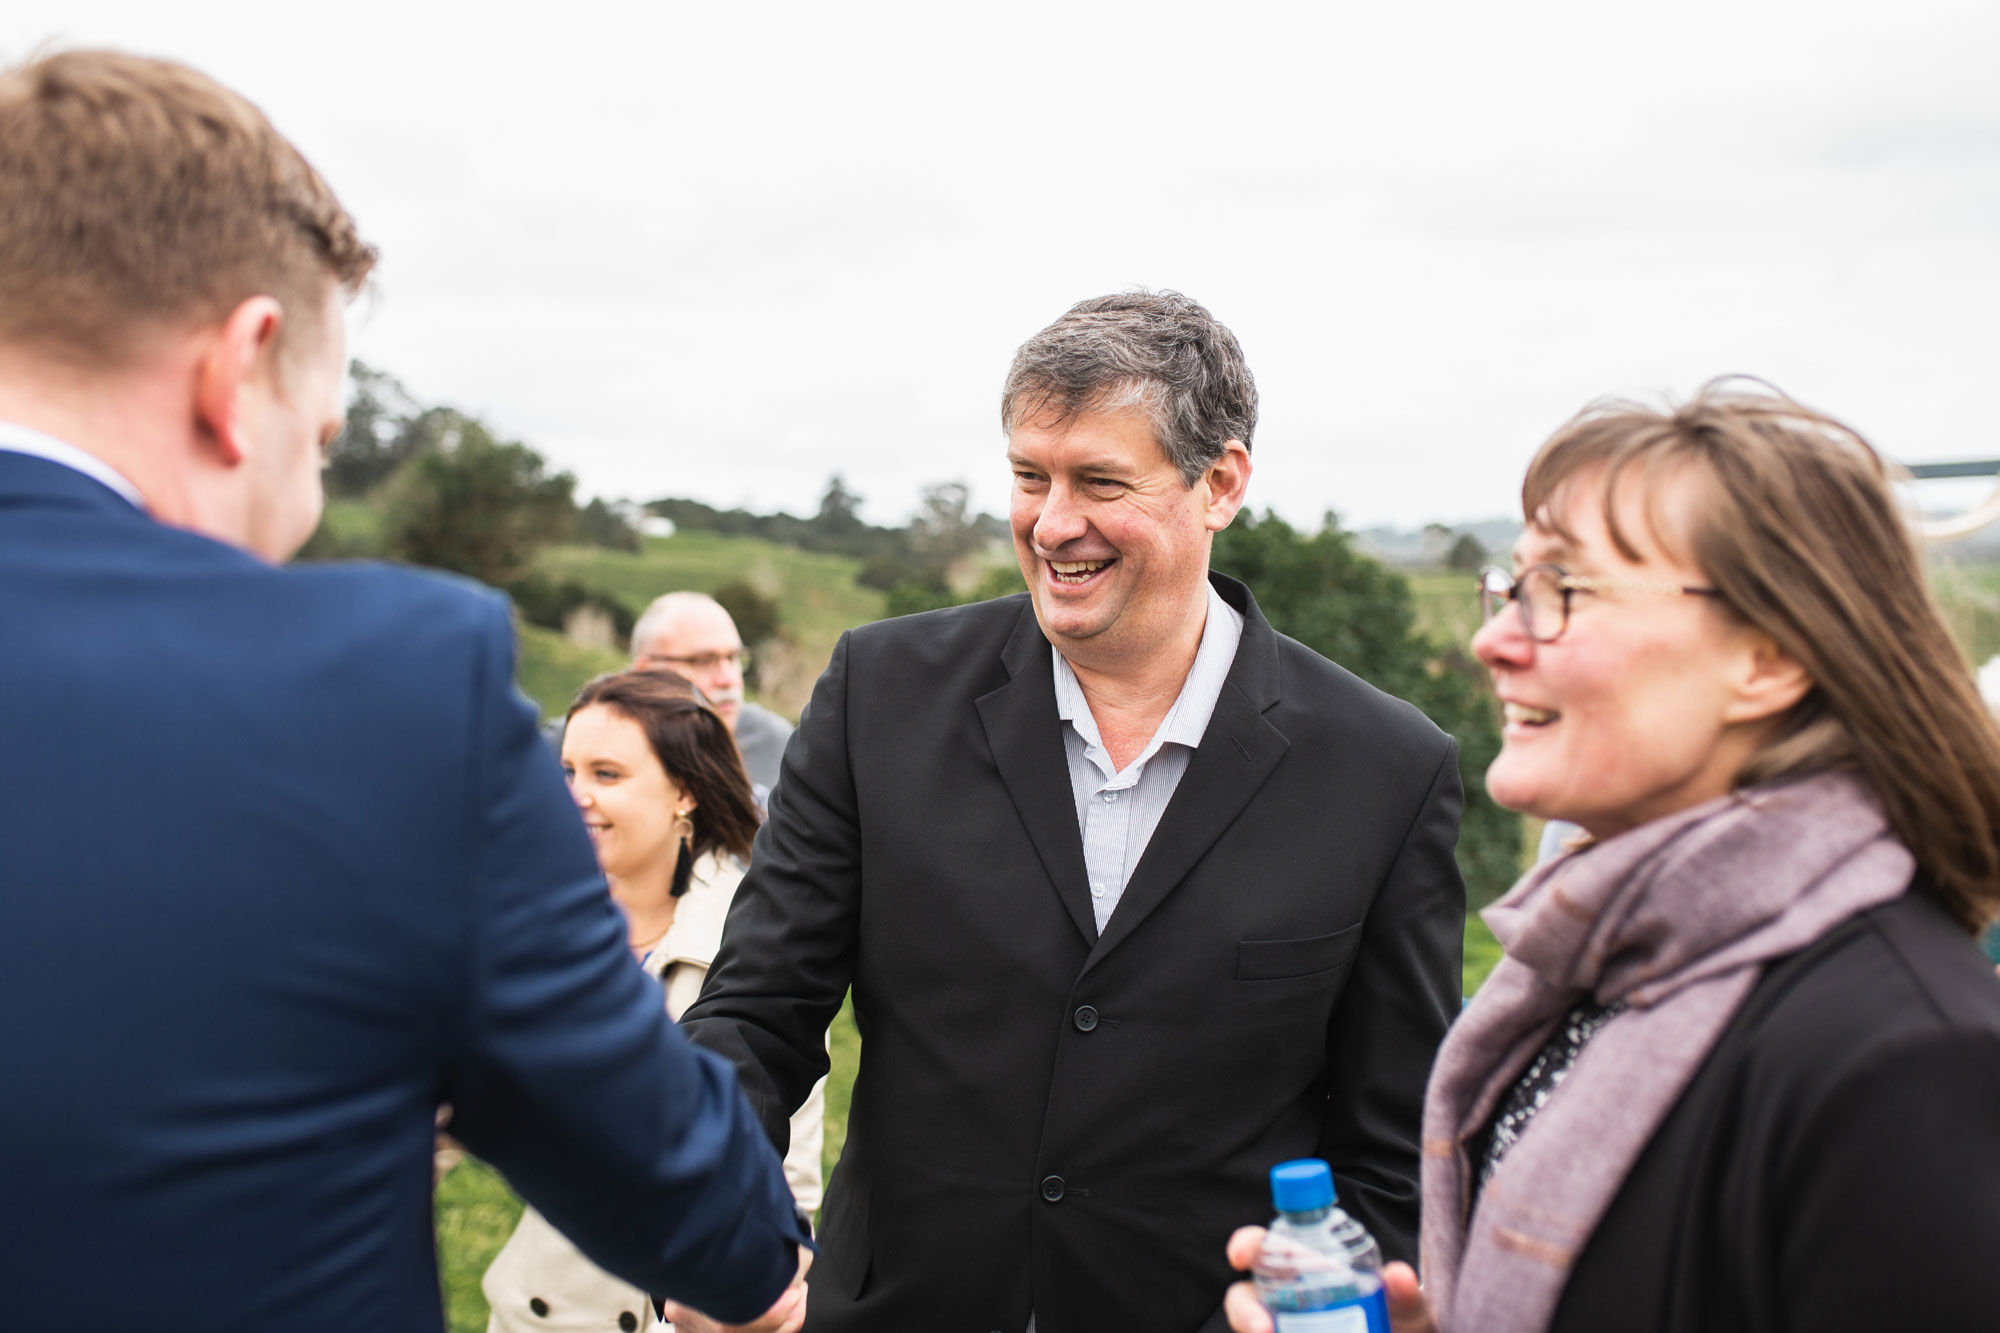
pixel 1409 1312
pixel 787 1315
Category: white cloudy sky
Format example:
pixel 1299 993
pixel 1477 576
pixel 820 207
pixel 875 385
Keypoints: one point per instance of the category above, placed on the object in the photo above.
pixel 724 250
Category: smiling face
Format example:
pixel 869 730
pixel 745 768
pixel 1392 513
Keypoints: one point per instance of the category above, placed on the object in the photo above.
pixel 1113 544
pixel 629 803
pixel 1648 703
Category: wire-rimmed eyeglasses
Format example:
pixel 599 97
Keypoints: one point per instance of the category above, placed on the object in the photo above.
pixel 1543 593
pixel 732 657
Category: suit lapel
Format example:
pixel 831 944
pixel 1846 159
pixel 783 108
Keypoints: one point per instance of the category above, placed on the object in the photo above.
pixel 1236 755
pixel 1027 742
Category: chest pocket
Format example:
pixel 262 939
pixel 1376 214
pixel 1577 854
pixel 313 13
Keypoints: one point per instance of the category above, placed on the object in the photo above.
pixel 1283 960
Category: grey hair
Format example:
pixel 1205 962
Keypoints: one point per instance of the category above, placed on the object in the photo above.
pixel 663 609
pixel 1158 352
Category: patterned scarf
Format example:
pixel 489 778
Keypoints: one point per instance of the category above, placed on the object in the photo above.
pixel 1675 918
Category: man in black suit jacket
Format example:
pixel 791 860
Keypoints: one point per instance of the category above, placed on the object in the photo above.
pixel 1136 896
pixel 283 865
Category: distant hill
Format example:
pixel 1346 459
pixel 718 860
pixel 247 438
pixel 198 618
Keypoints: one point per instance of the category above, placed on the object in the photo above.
pixel 1419 546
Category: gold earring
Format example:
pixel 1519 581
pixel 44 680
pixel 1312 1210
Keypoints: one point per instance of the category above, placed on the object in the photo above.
pixel 683 827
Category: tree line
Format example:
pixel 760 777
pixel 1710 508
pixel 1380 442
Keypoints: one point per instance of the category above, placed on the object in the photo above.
pixel 444 490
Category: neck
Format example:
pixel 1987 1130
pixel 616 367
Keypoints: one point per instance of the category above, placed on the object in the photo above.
pixel 139 421
pixel 648 903
pixel 1129 700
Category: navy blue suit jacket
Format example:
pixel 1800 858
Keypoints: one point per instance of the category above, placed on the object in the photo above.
pixel 283 866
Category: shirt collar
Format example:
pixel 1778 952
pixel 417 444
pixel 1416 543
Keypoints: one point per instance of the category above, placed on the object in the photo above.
pixel 21 440
pixel 1187 721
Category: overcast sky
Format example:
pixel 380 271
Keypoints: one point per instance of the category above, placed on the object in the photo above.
pixel 724 250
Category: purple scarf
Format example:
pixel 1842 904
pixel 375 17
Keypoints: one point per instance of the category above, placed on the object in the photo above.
pixel 1676 918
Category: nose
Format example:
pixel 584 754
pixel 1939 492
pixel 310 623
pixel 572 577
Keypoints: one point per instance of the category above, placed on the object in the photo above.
pixel 1503 641
pixel 1060 521
pixel 728 675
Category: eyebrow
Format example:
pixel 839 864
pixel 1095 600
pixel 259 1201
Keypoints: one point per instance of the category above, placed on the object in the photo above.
pixel 1097 467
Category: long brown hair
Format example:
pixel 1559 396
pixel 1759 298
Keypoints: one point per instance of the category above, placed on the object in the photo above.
pixel 1799 532
pixel 695 747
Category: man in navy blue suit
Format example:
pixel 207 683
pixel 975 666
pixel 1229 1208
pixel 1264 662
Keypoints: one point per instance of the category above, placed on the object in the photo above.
pixel 283 864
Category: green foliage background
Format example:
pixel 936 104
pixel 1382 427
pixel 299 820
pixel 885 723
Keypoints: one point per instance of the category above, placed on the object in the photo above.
pixel 1354 610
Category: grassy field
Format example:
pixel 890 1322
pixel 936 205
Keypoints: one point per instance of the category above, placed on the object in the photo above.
pixel 1447 607
pixel 816 594
pixel 552 669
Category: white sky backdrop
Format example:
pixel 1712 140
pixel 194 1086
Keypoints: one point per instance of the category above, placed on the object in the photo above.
pixel 724 250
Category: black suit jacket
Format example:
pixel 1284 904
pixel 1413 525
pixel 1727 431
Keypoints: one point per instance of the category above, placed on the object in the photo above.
pixel 1050 1119
pixel 1835 1163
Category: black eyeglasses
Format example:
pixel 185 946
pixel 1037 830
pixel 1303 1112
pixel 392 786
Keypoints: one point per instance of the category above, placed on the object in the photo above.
pixel 1543 593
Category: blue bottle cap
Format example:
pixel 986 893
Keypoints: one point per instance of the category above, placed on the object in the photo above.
pixel 1302 1186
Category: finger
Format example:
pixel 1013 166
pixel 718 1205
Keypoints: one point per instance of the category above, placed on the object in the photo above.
pixel 1246 1313
pixel 1243 1247
pixel 1409 1309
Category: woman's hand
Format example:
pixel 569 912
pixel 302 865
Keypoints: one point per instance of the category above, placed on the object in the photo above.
pixel 1409 1312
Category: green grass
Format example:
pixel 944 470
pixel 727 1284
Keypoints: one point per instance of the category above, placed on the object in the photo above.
pixel 1969 596
pixel 1446 606
pixel 552 669
pixel 475 1212
pixel 845 1042
pixel 816 594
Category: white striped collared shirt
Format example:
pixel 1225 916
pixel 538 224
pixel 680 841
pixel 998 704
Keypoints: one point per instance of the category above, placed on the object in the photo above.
pixel 1117 811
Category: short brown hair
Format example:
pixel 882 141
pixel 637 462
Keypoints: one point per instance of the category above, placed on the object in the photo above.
pixel 1159 352
pixel 694 746
pixel 1800 534
pixel 137 194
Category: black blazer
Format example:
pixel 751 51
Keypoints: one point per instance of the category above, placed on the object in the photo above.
pixel 1045 1118
pixel 1835 1164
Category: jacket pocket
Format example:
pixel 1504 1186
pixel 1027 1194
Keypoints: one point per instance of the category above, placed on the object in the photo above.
pixel 1279 960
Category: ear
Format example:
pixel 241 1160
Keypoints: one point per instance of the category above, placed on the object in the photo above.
pixel 239 350
pixel 1771 681
pixel 1228 481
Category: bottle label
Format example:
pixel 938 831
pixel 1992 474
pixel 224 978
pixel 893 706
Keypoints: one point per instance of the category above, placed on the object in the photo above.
pixel 1351 1320
pixel 1370 1314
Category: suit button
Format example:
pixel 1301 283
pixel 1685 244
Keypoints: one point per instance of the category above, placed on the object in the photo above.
pixel 1085 1018
pixel 1052 1188
pixel 538 1305
pixel 628 1321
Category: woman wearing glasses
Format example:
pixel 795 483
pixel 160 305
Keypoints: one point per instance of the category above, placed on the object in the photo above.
pixel 1741 1065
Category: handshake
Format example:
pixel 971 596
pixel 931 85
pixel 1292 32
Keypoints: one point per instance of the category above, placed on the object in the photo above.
pixel 786 1315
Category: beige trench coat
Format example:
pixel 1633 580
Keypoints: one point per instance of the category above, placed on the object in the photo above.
pixel 539 1283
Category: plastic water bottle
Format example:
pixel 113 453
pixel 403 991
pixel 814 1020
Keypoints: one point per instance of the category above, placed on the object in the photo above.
pixel 1319 1271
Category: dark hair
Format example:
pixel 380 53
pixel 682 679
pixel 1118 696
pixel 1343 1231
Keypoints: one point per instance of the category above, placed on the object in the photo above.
pixel 695 747
pixel 138 193
pixel 1800 534
pixel 1156 351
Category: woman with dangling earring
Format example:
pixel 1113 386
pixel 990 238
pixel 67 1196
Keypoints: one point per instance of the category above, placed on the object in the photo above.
pixel 660 785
